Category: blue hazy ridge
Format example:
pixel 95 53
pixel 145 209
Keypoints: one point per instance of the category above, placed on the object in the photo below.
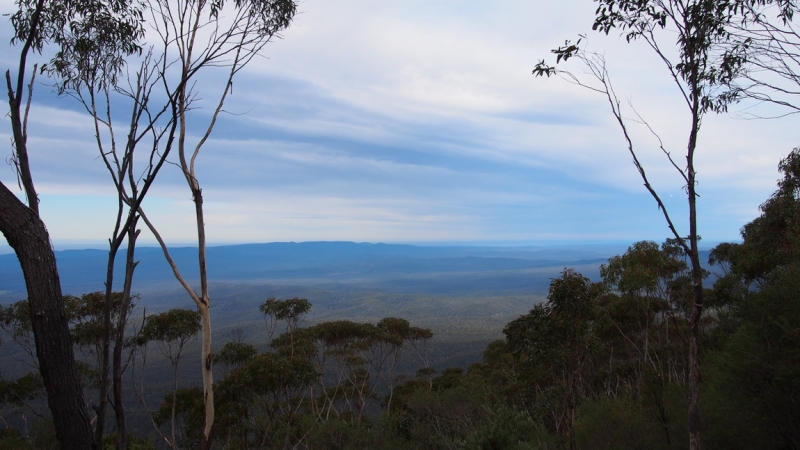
pixel 404 268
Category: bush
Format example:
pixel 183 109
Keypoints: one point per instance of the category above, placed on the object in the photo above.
pixel 134 443
pixel 617 423
pixel 506 428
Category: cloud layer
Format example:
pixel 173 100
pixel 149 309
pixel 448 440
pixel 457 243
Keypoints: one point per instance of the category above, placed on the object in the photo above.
pixel 419 121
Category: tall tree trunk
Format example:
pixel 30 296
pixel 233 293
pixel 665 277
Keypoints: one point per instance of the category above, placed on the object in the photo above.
pixel 694 328
pixel 697 270
pixel 114 245
pixel 27 235
pixel 102 395
pixel 119 338
pixel 204 308
pixel 208 381
pixel 119 406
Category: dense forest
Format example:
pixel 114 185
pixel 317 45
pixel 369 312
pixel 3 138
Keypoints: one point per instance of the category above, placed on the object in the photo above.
pixel 599 365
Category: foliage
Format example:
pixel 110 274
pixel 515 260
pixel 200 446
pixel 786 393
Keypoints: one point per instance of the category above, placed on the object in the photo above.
pixel 555 348
pixel 699 25
pixel 316 390
pixel 645 318
pixel 93 37
pixel 763 355
pixel 170 331
pixel 600 343
pixel 43 438
pixel 599 365
pixel 702 78
pixel 15 323
pixel 733 419
pixel 22 390
pixel 234 355
pixel 340 434
pixel 443 412
pixel 504 428
pixel 772 240
pixel 765 39
pixel 175 326
pixel 290 310
pixel 11 438
pixel 590 368
pixel 185 406
pixel 133 442
pixel 756 364
pixel 758 353
pixel 260 400
pixel 85 313
pixel 620 422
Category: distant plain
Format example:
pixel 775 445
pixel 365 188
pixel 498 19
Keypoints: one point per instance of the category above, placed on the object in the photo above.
pixel 464 294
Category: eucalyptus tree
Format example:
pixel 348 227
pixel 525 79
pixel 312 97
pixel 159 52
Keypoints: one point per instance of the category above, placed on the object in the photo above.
pixel 170 331
pixel 234 354
pixel 89 73
pixel 261 400
pixel 648 309
pixel 340 353
pixel 759 332
pixel 37 24
pixel 23 393
pixel 90 70
pixel 700 75
pixel 554 346
pixel 199 37
pixel 392 337
pixel 765 40
pixel 15 325
pixel 289 311
pixel 85 318
pixel 87 325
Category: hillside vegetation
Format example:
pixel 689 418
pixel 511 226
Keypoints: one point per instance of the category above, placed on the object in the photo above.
pixel 597 364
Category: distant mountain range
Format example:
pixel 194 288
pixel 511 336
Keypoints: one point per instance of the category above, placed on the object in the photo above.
pixel 466 295
pixel 390 267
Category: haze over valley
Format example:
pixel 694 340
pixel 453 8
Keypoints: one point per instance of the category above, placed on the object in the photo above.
pixel 460 292
pixel 427 224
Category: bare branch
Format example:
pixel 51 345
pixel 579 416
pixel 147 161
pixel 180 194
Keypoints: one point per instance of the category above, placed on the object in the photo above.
pixel 660 143
pixel 596 65
pixel 169 259
pixel 28 104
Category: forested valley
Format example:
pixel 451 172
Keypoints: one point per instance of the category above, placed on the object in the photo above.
pixel 662 349
pixel 598 365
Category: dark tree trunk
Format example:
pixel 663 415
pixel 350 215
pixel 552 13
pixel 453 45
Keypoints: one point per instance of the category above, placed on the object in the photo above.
pixel 27 235
pixel 694 336
pixel 119 338
pixel 119 406
pixel 102 396
pixel 697 271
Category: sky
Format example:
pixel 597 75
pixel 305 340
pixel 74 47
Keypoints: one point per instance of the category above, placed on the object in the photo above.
pixel 420 122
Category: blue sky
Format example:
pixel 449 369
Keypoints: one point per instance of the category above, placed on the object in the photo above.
pixel 420 122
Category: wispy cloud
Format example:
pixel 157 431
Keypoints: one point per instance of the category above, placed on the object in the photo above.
pixel 420 121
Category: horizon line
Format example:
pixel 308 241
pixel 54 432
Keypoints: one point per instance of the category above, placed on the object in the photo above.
pixel 64 245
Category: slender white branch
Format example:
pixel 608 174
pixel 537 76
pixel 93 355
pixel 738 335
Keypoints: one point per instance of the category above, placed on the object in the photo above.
pixel 169 259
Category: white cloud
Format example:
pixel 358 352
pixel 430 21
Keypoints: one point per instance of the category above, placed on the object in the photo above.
pixel 420 120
